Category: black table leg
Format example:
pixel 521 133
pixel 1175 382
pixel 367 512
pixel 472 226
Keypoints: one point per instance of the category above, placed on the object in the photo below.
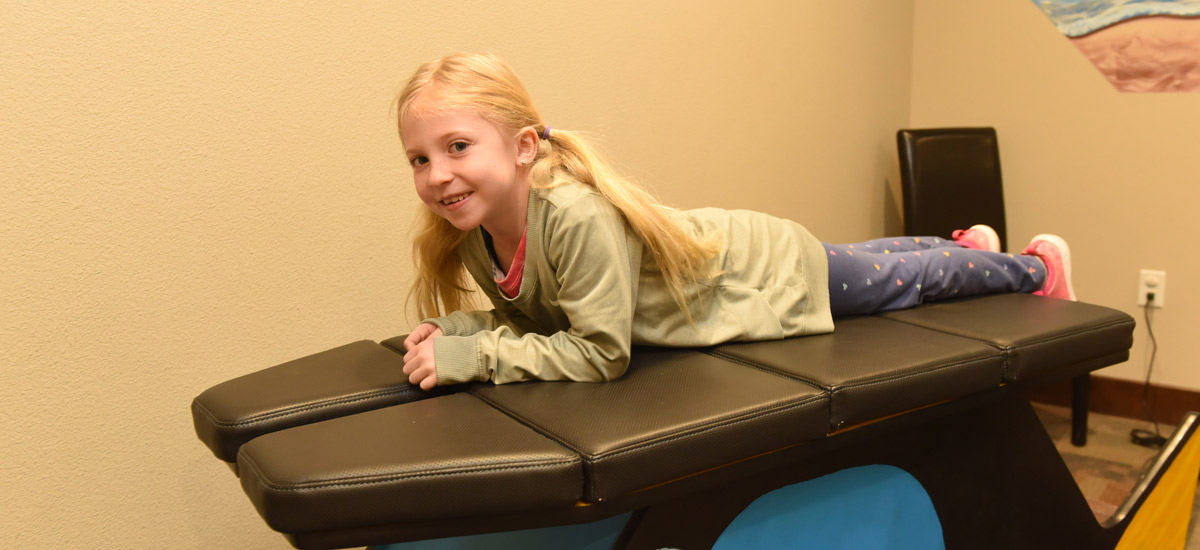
pixel 1079 409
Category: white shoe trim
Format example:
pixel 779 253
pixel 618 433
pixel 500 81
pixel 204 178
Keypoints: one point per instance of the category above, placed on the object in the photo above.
pixel 993 239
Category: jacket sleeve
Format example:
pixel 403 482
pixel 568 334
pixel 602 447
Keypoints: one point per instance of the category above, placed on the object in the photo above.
pixel 471 322
pixel 596 259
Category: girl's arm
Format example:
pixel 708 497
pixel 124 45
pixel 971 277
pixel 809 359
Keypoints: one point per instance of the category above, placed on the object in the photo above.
pixel 419 358
pixel 470 322
pixel 596 259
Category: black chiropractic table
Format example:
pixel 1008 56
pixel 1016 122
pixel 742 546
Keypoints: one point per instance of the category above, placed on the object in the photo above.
pixel 337 450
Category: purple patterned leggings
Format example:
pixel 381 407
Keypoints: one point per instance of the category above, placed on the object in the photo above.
pixel 903 272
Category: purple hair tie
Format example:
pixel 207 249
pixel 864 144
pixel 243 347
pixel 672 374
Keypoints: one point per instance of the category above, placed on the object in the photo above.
pixel 546 133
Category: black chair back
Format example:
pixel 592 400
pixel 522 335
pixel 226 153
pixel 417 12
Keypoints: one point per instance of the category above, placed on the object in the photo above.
pixel 951 180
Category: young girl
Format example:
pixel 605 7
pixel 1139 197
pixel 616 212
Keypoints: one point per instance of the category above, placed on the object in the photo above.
pixel 580 263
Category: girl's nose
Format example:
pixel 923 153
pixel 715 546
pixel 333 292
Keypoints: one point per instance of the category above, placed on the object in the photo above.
pixel 439 173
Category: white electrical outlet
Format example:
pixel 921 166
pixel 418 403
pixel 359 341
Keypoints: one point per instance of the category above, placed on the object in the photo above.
pixel 1152 281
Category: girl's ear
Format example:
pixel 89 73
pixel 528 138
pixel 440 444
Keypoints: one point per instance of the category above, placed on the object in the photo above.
pixel 527 145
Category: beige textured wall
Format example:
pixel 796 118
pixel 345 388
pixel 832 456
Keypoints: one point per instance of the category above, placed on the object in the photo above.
pixel 193 191
pixel 1117 174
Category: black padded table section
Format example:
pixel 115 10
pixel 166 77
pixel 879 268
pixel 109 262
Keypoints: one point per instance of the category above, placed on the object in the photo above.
pixel 395 343
pixel 873 367
pixel 1036 335
pixel 344 380
pixel 675 412
pixel 491 458
pixel 450 456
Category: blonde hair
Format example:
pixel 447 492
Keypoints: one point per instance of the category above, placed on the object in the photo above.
pixel 489 86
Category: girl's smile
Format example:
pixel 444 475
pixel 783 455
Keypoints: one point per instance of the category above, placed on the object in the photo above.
pixel 456 199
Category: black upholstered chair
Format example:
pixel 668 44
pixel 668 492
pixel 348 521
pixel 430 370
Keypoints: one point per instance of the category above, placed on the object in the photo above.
pixel 950 179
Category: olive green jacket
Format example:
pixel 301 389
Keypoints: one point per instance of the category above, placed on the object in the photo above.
pixel 589 292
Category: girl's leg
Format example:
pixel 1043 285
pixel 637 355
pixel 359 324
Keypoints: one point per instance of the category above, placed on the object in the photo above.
pixel 867 280
pixel 890 245
pixel 979 237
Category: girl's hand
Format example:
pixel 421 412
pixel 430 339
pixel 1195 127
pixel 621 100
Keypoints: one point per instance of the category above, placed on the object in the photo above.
pixel 418 360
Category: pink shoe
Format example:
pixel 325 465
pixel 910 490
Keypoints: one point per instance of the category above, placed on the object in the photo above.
pixel 1053 251
pixel 978 237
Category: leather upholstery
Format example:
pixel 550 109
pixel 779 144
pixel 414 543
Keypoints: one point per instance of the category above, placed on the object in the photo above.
pixel 871 367
pixel 674 412
pixel 950 178
pixel 444 463
pixel 1035 335
pixel 345 380
pixel 450 456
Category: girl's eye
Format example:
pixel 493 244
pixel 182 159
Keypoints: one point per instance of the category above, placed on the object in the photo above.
pixel 418 161
pixel 458 146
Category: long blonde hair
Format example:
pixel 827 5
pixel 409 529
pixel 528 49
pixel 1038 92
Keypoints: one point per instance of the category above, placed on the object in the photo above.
pixel 489 86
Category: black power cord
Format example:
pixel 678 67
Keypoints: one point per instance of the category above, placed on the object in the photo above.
pixel 1140 436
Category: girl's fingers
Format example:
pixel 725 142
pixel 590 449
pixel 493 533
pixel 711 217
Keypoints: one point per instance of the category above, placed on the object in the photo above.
pixel 415 337
pixel 415 377
pixel 423 377
pixel 418 357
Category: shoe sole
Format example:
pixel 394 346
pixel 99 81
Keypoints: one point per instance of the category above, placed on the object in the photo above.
pixel 1064 253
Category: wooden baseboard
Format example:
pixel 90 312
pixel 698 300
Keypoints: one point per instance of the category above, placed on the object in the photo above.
pixel 1124 398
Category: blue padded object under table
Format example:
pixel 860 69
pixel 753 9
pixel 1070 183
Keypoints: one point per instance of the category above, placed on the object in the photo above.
pixel 879 507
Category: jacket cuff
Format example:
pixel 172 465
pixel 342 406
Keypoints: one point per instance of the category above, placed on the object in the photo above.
pixel 457 360
pixel 447 324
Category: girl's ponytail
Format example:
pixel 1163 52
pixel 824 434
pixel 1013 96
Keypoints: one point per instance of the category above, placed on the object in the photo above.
pixel 680 256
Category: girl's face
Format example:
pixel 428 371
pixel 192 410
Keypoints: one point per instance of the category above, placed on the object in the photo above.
pixel 467 169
